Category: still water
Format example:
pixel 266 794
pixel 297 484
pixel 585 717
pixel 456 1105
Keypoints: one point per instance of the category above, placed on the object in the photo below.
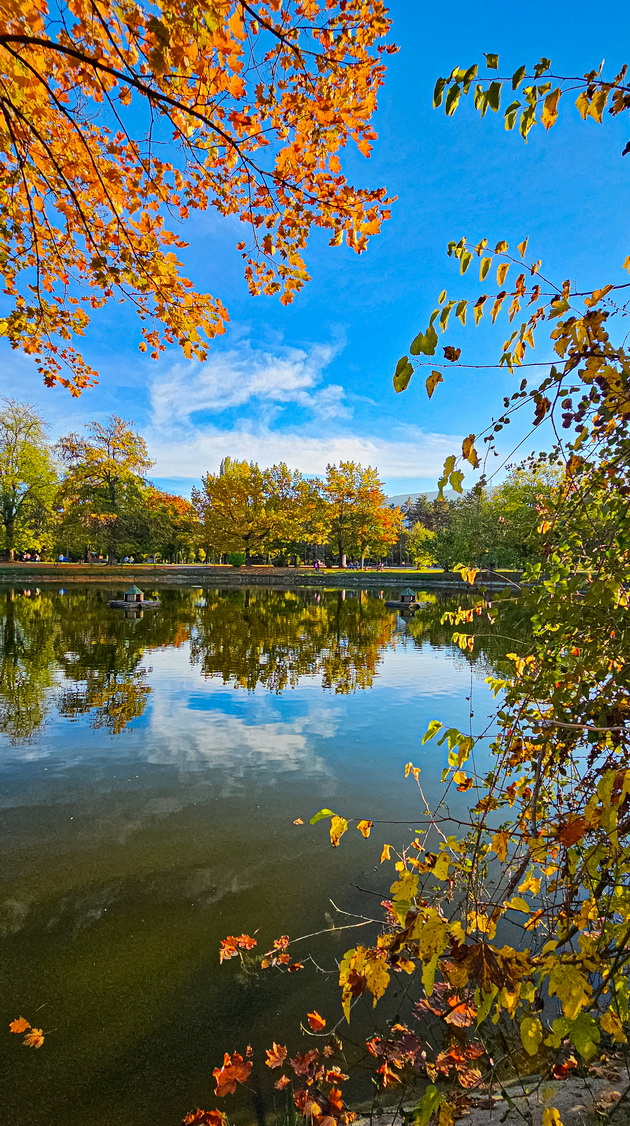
pixel 150 774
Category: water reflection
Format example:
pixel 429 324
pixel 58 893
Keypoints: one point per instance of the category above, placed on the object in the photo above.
pixel 151 773
pixel 96 657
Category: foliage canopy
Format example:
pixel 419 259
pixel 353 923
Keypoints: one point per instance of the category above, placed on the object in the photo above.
pixel 255 102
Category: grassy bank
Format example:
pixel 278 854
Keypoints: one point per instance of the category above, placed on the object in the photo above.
pixel 224 575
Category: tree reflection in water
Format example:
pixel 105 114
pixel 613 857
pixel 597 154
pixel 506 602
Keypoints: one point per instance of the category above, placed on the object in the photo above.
pixel 68 651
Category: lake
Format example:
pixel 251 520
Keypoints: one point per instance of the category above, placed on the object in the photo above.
pixel 151 773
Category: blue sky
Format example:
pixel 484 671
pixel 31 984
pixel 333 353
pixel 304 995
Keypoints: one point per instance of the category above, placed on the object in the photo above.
pixel 311 383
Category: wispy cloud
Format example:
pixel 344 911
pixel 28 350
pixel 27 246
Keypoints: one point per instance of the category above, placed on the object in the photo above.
pixel 186 436
pixel 410 453
pixel 245 376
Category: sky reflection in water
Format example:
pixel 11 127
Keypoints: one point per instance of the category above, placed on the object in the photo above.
pixel 150 772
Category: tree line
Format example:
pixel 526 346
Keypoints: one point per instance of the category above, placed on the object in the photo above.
pixel 487 527
pixel 88 497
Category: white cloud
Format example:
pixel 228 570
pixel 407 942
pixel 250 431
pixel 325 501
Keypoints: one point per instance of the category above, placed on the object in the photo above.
pixel 234 378
pixel 187 439
pixel 409 453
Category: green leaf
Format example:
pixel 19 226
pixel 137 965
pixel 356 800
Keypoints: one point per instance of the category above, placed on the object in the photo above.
pixel 492 61
pixel 425 343
pixel 511 114
pixel 468 77
pixel 428 975
pixel 403 373
pixel 528 118
pixel 485 1003
pixel 484 266
pixel 426 1108
pixel 460 311
pixel 518 77
pixel 531 1034
pixel 452 99
pixel 584 1033
pixel 455 480
pixel 321 815
pixel 449 465
pixel 438 92
pixel 464 261
pixel 493 95
pixel 541 67
pixel 432 730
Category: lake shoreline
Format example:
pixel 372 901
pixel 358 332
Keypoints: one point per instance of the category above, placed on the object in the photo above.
pixel 194 575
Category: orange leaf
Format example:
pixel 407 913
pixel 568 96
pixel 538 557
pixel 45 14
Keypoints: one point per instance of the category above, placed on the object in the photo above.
pixel 34 1038
pixel 316 1021
pixel 205 1118
pixel 385 853
pixel 235 1070
pixel 283 1081
pixel 364 828
pixel 276 1055
pixel 20 1025
pixel 572 831
pixel 298 821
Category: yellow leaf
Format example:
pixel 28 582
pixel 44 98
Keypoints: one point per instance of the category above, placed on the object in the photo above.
pixel 499 844
pixel 551 1117
pixel 598 105
pixel 522 247
pixel 549 114
pixel 432 382
pixel 403 891
pixel 338 826
pixel 20 1025
pixel 441 866
pixel 612 1025
pixel 517 904
pixel 502 272
pixel 571 987
pixel 428 975
pixel 431 935
pixel 364 828
pixel 469 451
pixel 531 1034
pixel 386 853
pixel 376 974
pixel 582 104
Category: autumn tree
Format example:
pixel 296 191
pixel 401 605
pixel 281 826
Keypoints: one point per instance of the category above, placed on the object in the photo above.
pixel 360 518
pixel 419 544
pixel 104 474
pixel 173 528
pixel 28 478
pixel 245 508
pixel 115 121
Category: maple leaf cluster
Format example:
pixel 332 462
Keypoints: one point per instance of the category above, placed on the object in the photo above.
pixel 230 946
pixel 33 1037
pixel 252 103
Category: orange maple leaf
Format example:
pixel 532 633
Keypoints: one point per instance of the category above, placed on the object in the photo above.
pixel 276 1055
pixel 34 1038
pixel 201 1117
pixel 20 1025
pixel 316 1021
pixel 235 1070
pixel 283 1081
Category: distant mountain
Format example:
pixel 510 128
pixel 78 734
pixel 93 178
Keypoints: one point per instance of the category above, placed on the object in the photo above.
pixel 402 498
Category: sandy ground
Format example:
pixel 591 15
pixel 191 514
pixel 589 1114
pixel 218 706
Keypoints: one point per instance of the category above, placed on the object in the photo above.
pixel 601 1096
